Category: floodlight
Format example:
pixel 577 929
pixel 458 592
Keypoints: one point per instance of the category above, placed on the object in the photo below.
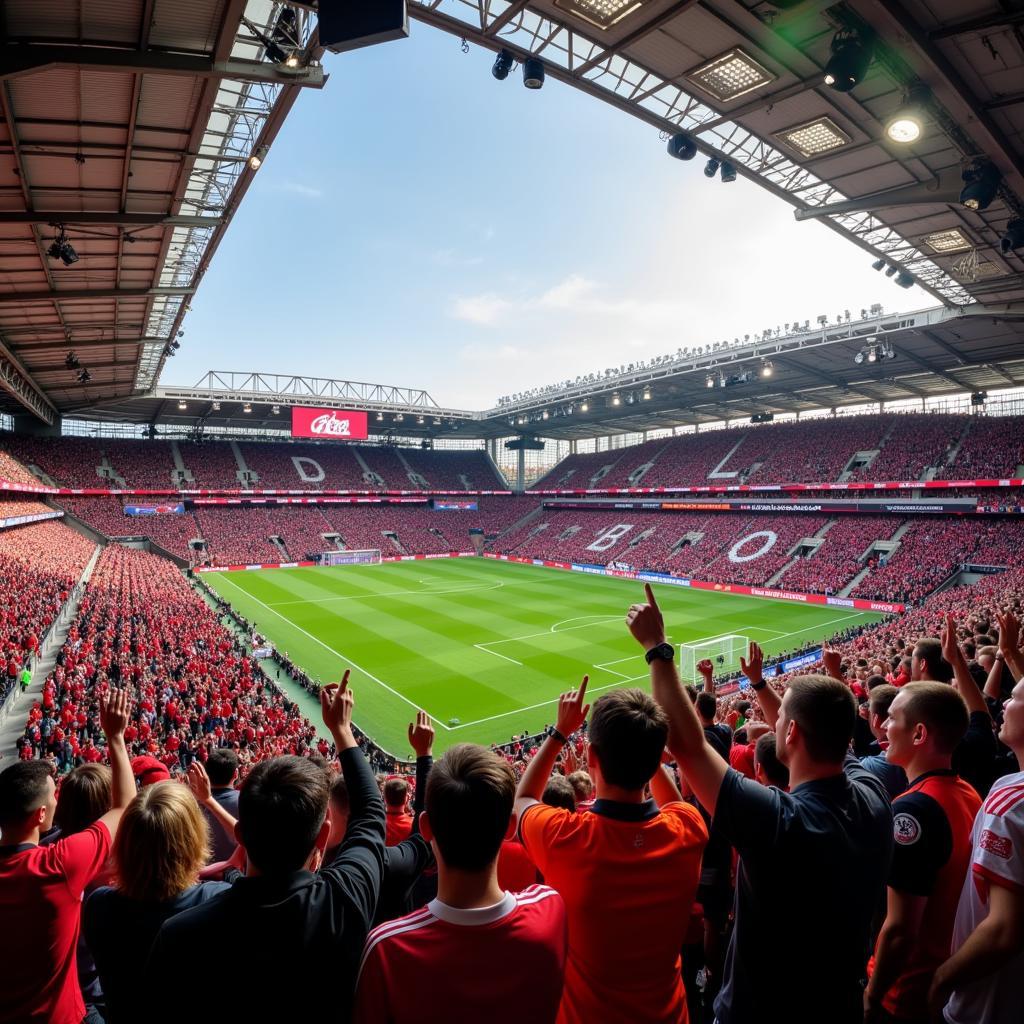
pixel 872 354
pixel 728 171
pixel 709 381
pixel 380 417
pixel 533 73
pixel 877 265
pixel 276 410
pixel 71 361
pixel 711 168
pixel 981 183
pixel 247 407
pixel 544 415
pixel 767 368
pixel 84 377
pixel 906 124
pixel 646 394
pixel 615 399
pixel 182 405
pixel 216 406
pixel 503 64
pixel 1014 237
pixel 61 249
pixel 859 357
pixel 584 407
pixel 905 279
pixel 257 158
pixel 682 147
pixel 851 57
pixel 891 269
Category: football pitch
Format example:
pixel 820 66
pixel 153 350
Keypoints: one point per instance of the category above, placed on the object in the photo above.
pixel 485 647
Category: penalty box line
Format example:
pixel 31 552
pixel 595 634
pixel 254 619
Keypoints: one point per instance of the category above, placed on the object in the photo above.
pixel 338 654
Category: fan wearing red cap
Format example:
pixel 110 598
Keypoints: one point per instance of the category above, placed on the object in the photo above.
pixel 148 770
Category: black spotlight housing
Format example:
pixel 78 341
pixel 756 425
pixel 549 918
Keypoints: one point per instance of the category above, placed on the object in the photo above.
pixel 503 65
pixel 877 265
pixel 71 361
pixel 890 270
pixel 533 73
pixel 1014 237
pixel 981 183
pixel 905 279
pixel 682 147
pixel 728 171
pixel 711 168
pixel 850 60
pixel 61 249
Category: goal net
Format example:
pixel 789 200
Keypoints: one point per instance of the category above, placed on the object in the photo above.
pixel 362 556
pixel 724 653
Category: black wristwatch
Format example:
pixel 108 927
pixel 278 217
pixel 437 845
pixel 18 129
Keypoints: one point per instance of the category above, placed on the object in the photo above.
pixel 756 687
pixel 555 734
pixel 664 652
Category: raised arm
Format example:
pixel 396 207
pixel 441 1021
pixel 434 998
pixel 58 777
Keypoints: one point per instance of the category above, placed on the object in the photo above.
pixel 767 699
pixel 963 680
pixel 572 713
pixel 199 783
pixel 1009 644
pixel 664 788
pixel 707 673
pixel 421 739
pixel 703 768
pixel 115 711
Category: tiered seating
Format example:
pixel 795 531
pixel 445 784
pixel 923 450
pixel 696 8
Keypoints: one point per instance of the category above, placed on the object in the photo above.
pixel 918 440
pixel 69 461
pixel 838 559
pixel 39 565
pixel 172 531
pixel 11 469
pixel 301 527
pixel 388 465
pixel 273 464
pixel 363 526
pixel 237 535
pixel 10 508
pixel 993 448
pixel 445 469
pixel 788 531
pixel 576 471
pixel 145 464
pixel 810 452
pixel 142 626
pixel 212 463
pixel 928 553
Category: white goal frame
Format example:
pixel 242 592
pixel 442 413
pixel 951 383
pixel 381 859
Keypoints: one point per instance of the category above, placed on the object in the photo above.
pixel 724 653
pixel 352 556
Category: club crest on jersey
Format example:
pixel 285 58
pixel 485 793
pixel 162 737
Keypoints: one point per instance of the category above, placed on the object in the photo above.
pixel 905 829
pixel 998 845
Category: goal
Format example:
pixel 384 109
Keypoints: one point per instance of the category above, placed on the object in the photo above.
pixel 362 556
pixel 724 652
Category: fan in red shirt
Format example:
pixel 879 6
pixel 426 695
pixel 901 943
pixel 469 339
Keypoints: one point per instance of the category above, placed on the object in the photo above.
pixel 399 821
pixel 627 869
pixel 438 964
pixel 41 886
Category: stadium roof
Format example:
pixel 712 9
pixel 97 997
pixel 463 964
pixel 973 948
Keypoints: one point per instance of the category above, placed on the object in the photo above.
pixel 745 80
pixel 128 127
pixel 132 124
pixel 936 352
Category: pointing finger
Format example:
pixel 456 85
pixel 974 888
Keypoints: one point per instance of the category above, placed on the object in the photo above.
pixel 650 596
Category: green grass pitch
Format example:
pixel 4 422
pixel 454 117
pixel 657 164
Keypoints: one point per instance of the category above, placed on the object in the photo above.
pixel 486 643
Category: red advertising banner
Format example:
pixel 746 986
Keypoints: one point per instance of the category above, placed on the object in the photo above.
pixel 328 424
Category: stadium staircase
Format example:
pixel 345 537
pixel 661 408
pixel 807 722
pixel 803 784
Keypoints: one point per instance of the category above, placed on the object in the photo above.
pixel 415 479
pixel 498 475
pixel 182 474
pixel 369 476
pixel 105 471
pixel 886 547
pixel 15 710
pixel 815 541
pixel 958 444
pixel 246 476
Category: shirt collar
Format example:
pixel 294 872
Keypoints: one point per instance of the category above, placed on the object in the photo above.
pixel 618 810
pixel 475 917
pixel 935 773
pixel 11 851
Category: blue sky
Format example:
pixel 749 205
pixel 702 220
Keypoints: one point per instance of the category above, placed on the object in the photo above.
pixel 418 223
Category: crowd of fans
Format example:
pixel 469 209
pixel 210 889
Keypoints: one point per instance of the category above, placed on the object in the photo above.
pixel 650 857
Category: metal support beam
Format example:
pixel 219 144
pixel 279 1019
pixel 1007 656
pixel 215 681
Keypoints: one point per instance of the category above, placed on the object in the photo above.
pixel 66 345
pixel 92 217
pixel 944 189
pixel 86 294
pixel 18 383
pixel 635 36
pixel 514 9
pixel 20 59
pixel 960 28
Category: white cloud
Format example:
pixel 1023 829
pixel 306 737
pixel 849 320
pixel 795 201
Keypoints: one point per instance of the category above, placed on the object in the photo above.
pixel 572 293
pixel 480 309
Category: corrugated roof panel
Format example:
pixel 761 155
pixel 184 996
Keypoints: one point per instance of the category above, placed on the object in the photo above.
pixel 115 21
pixel 105 96
pixel 187 24
pixel 55 18
pixel 51 94
pixel 169 101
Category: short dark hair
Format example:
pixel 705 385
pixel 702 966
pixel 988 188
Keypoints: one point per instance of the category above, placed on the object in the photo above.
pixel 85 796
pixel 559 793
pixel 873 682
pixel 767 757
pixel 339 793
pixel 22 790
pixel 940 708
pixel 929 650
pixel 628 732
pixel 881 700
pixel 396 792
pixel 281 807
pixel 470 793
pixel 707 705
pixel 826 712
pixel 221 766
